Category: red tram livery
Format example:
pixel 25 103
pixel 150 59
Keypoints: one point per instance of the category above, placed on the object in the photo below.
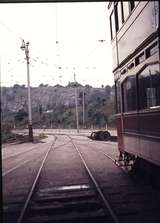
pixel 135 39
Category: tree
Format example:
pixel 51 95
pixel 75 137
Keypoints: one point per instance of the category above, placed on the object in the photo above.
pixel 58 85
pixel 43 85
pixel 21 115
pixel 16 86
pixel 108 89
pixel 40 109
pixel 88 86
pixel 103 101
pixel 98 101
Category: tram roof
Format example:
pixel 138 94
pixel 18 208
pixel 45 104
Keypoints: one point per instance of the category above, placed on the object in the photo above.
pixel 46 1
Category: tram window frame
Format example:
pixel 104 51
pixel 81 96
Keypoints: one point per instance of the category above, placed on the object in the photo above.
pixel 131 65
pixel 126 10
pixel 129 98
pixel 140 58
pixel 149 91
pixel 151 50
pixel 116 17
pixel 131 5
pixel 112 25
pixel 120 14
pixel 118 96
pixel 136 3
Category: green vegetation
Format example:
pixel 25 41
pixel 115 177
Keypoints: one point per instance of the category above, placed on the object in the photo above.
pixel 54 107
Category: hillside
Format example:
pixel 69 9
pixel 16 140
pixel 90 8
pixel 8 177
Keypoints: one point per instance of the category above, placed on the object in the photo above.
pixel 54 107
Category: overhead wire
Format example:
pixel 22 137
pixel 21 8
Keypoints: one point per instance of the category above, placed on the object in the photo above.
pixel 11 30
pixel 17 36
pixel 57 40
pixel 57 45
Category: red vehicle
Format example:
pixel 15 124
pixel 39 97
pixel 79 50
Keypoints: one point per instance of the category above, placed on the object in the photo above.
pixel 135 37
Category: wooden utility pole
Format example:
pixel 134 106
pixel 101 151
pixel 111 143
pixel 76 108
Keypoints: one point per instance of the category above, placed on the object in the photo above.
pixel 76 103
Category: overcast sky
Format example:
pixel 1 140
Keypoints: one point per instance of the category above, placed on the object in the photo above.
pixel 77 27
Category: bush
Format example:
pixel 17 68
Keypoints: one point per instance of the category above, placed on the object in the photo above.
pixel 6 134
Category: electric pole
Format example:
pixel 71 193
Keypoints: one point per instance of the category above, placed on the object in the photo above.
pixel 24 47
pixel 83 103
pixel 76 102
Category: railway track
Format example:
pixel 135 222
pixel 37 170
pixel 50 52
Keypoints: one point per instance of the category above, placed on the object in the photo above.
pixel 106 204
pixel 27 202
pixel 18 160
pixel 13 206
pixel 136 199
pixel 86 201
pixel 80 203
pixel 20 153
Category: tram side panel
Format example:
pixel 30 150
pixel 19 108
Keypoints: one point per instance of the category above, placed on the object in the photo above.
pixel 138 128
pixel 142 22
pixel 131 134
pixel 141 125
pixel 120 133
pixel 149 113
pixel 150 136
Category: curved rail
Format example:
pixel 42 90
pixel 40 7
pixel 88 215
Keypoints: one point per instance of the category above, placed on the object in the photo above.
pixel 95 141
pixel 17 166
pixel 64 144
pixel 21 153
pixel 23 211
pixel 109 143
pixel 105 202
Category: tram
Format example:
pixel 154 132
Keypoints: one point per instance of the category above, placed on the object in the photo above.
pixel 135 36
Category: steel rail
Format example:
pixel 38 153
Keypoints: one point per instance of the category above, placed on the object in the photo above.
pixel 14 168
pixel 18 166
pixel 64 144
pixel 23 211
pixel 114 161
pixel 21 153
pixel 94 141
pixel 105 202
pixel 103 142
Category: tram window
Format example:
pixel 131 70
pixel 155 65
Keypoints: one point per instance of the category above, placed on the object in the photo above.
pixel 131 65
pixel 116 18
pixel 118 96
pixel 112 25
pixel 125 9
pixel 152 50
pixel 129 94
pixel 132 5
pixel 140 58
pixel 149 87
pixel 120 14
pixel 136 2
